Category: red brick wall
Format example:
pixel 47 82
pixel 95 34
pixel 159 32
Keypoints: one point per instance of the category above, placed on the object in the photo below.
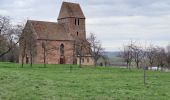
pixel 53 52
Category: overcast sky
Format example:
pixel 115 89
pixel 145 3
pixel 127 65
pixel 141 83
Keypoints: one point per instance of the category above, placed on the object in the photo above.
pixel 115 22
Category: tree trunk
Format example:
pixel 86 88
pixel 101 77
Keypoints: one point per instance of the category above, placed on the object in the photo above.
pixel 31 60
pixel 44 57
pixel 127 64
pixel 22 61
pixel 144 75
pixel 9 49
pixel 137 64
pixel 80 61
pixel 80 56
pixel 95 63
pixel 23 55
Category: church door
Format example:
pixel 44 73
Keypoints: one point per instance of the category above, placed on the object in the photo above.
pixel 62 61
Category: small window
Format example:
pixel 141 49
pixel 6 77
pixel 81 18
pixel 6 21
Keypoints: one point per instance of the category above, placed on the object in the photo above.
pixel 78 21
pixel 75 21
pixel 43 45
pixel 77 33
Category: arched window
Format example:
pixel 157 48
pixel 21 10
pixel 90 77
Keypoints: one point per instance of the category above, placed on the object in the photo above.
pixel 62 49
pixel 77 33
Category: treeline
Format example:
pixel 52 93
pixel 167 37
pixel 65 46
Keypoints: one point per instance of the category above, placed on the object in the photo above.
pixel 9 38
pixel 146 56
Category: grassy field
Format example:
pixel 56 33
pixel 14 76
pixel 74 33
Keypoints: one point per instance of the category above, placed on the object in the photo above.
pixel 57 82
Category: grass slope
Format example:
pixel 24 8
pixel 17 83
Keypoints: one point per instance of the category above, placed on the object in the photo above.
pixel 56 82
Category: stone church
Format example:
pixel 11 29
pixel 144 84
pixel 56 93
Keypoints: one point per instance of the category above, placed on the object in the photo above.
pixel 62 42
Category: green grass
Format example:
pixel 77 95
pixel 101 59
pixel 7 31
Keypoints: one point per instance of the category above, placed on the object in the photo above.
pixel 57 82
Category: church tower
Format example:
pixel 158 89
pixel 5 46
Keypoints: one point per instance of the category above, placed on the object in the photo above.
pixel 71 15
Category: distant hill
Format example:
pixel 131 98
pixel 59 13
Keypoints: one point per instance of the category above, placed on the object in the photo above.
pixel 114 58
pixel 112 54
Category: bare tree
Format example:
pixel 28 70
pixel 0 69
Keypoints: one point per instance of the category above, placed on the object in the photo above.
pixel 47 48
pixel 4 24
pixel 4 29
pixel 8 35
pixel 168 56
pixel 31 47
pixel 79 52
pixel 3 46
pixel 23 52
pixel 151 54
pixel 44 44
pixel 81 48
pixel 160 57
pixel 96 47
pixel 130 52
pixel 138 54
pixel 127 55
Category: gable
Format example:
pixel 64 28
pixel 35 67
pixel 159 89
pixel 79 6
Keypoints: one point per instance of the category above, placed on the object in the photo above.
pixel 27 31
pixel 70 10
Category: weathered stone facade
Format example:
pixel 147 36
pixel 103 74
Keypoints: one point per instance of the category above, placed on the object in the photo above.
pixel 55 43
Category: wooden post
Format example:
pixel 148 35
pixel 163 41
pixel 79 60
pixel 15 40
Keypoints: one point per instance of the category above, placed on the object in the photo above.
pixel 144 75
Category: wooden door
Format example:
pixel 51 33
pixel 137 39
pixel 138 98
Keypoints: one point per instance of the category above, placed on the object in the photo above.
pixel 62 61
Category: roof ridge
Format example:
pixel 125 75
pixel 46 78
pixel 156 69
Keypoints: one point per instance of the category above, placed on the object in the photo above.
pixel 70 2
pixel 41 21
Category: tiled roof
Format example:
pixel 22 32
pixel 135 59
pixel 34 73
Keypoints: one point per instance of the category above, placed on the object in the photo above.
pixel 70 10
pixel 49 30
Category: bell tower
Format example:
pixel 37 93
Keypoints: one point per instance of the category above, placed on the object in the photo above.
pixel 73 19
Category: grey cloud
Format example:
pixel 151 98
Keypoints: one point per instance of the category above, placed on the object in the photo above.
pixel 128 7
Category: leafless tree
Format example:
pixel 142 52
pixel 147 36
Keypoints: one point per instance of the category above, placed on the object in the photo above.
pixel 28 45
pixel 151 55
pixel 4 29
pixel 47 48
pixel 31 47
pixel 168 56
pixel 96 47
pixel 44 46
pixel 23 52
pixel 160 57
pixel 79 52
pixel 8 35
pixel 81 48
pixel 127 54
pixel 137 54
pixel 4 24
